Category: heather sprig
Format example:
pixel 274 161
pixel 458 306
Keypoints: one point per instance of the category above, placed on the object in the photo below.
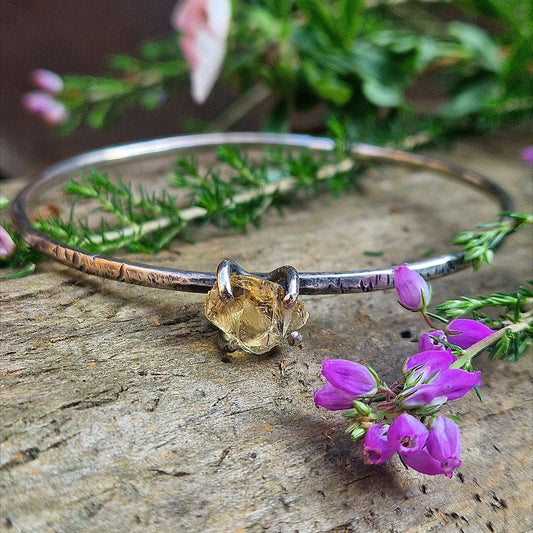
pixel 405 417
pixel 479 245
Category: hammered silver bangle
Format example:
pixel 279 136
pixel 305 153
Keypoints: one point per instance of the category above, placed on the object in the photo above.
pixel 294 283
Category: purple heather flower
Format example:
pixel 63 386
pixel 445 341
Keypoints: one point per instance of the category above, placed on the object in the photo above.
pixel 350 377
pixel 429 361
pixel 407 434
pixel 46 81
pixel 42 104
pixel 413 291
pixel 430 381
pixel 455 382
pixel 7 246
pixel 527 155
pixel 376 447
pixel 464 332
pixel 423 395
pixel 332 398
pixel 441 452
pixel 427 342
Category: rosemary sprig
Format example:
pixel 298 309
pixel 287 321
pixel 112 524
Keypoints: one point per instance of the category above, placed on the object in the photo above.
pixel 130 211
pixel 142 222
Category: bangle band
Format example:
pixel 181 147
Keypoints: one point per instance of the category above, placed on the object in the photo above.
pixel 292 282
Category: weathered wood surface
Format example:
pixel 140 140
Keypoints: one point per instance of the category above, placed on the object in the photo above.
pixel 118 413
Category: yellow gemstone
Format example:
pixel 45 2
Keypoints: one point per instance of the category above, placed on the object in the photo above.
pixel 256 318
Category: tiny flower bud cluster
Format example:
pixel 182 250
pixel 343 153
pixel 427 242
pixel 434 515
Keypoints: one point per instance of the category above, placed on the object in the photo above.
pixel 43 102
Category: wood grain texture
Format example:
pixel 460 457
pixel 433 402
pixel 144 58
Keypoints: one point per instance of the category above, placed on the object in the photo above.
pixel 118 412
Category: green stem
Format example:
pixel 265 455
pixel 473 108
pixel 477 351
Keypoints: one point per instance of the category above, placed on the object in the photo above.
pixel 250 99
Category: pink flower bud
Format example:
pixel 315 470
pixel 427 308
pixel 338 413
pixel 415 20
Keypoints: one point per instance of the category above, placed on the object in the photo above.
pixel 350 377
pixel 429 361
pixel 204 27
pixel 426 342
pixel 527 155
pixel 413 291
pixel 42 104
pixel 332 398
pixel 46 81
pixel 7 246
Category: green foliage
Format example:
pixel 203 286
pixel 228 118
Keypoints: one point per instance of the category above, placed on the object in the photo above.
pixel 124 221
pixel 479 245
pixel 146 82
pixel 354 59
pixel 23 261
pixel 142 222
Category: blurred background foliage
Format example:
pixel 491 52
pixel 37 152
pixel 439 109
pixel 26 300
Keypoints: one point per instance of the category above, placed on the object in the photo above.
pixel 399 72
pixel 353 60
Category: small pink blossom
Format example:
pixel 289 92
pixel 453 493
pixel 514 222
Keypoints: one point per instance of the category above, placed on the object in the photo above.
pixel 46 81
pixel 464 332
pixel 204 27
pixel 376 447
pixel 7 246
pixel 427 341
pixel 42 104
pixel 407 435
pixel 441 454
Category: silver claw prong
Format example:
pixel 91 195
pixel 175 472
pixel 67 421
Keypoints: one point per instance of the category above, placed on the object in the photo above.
pixel 224 271
pixel 226 344
pixel 288 275
pixel 295 338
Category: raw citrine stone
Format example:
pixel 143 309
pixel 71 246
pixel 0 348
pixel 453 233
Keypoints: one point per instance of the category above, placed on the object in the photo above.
pixel 256 318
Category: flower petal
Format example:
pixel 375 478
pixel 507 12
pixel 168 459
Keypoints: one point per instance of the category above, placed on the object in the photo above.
pixel 455 382
pixel 430 360
pixel 376 447
pixel 350 377
pixel 46 81
pixel 423 395
pixel 407 434
pixel 464 332
pixel 444 444
pixel 7 246
pixel 210 52
pixel 204 27
pixel 423 462
pixel 332 398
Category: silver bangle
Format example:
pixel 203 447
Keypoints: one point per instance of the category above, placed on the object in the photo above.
pixel 294 283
